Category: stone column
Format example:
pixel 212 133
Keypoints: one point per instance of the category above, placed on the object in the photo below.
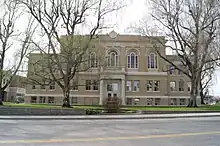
pixel 123 91
pixel 101 92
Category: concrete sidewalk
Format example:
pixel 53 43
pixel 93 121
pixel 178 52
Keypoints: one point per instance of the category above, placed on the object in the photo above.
pixel 110 117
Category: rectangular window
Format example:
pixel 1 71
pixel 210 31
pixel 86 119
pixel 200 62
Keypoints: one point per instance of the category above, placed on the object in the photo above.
pixel 132 61
pixel 148 61
pixel 136 61
pixel 33 99
pixel 88 84
pixel 173 101
pixel 172 86
pixel 129 101
pixel 136 85
pixel 149 101
pixel 52 86
pixel 181 85
pixel 128 86
pixel 95 85
pixel 129 61
pixel 157 101
pixel 189 86
pixel 109 87
pixel 33 87
pixel 152 61
pixel 150 85
pixel 156 85
pixel 74 100
pixel 50 99
pixel 42 99
pixel 182 102
pixel 108 61
pixel 74 84
pixel 93 61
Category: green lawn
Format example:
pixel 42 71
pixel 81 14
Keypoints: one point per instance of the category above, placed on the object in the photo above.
pixel 47 106
pixel 175 108
pixel 30 105
pixel 132 108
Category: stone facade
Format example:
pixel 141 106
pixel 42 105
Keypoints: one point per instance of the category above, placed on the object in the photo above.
pixel 133 71
pixel 16 88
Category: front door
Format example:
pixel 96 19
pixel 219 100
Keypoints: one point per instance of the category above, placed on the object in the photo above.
pixel 113 89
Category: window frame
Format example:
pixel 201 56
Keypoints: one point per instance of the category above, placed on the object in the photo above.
pixel 181 82
pixel 74 85
pixel 95 85
pixel 149 101
pixel 128 87
pixel 152 61
pixel 93 61
pixel 132 64
pixel 137 85
pixel 182 101
pixel 189 87
pixel 51 98
pixel 156 87
pixel 157 101
pixel 44 99
pixel 33 100
pixel 52 86
pixel 175 88
pixel 110 62
pixel 88 85
pixel 149 87
pixel 33 86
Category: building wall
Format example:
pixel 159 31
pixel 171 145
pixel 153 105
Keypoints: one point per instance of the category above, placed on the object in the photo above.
pixel 123 45
pixel 16 86
pixel 15 92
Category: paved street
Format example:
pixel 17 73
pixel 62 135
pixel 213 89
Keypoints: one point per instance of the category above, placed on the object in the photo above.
pixel 154 132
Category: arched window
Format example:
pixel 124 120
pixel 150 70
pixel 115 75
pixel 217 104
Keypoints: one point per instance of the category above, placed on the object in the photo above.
pixel 152 61
pixel 93 62
pixel 112 59
pixel 132 60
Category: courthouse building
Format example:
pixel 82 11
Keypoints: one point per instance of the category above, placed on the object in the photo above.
pixel 134 72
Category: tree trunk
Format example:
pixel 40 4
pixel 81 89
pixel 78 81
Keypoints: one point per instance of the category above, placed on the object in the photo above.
pixel 193 95
pixel 201 93
pixel 1 97
pixel 202 97
pixel 66 100
pixel 192 102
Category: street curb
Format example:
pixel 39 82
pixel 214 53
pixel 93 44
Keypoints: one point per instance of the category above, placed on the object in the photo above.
pixel 132 117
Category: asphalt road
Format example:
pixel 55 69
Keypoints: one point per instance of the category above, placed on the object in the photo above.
pixel 160 132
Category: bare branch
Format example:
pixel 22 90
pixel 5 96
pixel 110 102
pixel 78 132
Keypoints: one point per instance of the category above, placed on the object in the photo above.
pixel 67 55
pixel 192 27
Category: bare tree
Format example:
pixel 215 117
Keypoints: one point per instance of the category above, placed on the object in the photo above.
pixel 191 26
pixel 67 55
pixel 10 39
pixel 207 80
